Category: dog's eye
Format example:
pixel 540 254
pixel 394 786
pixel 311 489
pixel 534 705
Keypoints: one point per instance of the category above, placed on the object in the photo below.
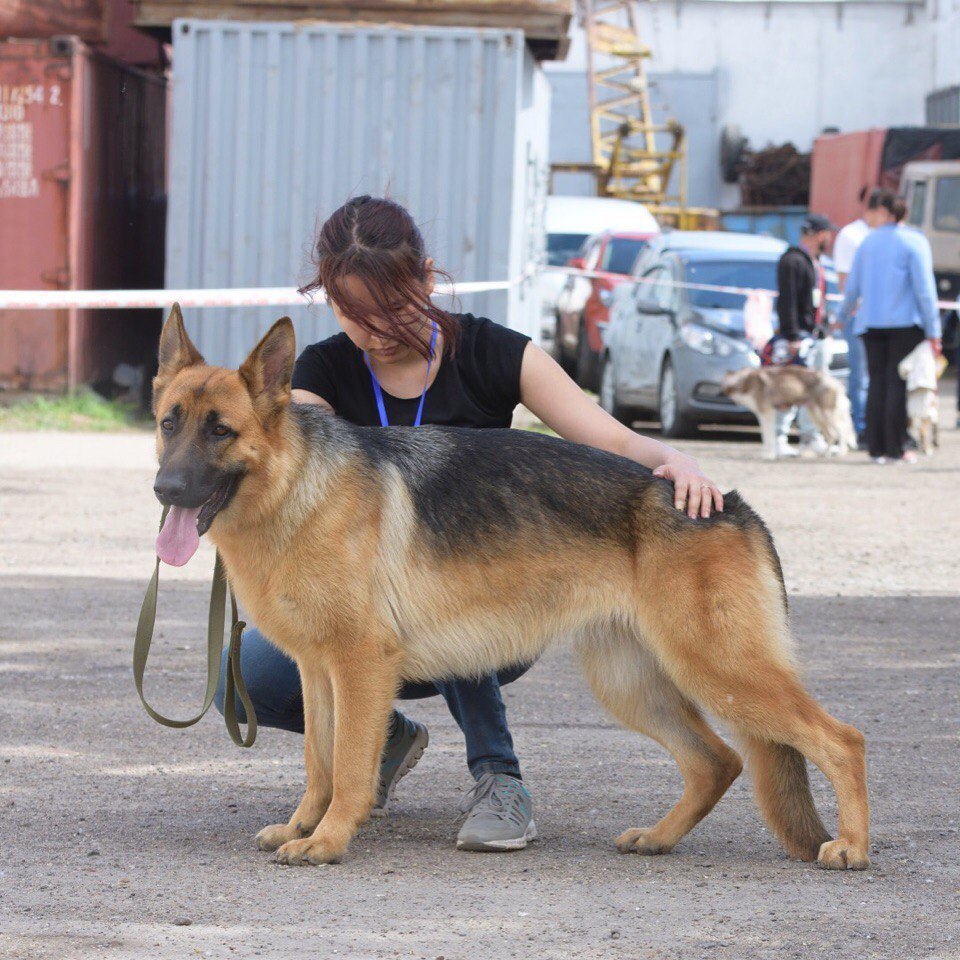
pixel 220 430
pixel 166 425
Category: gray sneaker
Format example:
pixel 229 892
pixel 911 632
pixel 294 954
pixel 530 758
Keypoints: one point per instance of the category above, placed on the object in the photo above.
pixel 400 755
pixel 499 815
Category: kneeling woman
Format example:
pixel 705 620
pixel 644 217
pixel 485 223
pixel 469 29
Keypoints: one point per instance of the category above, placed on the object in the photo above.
pixel 401 360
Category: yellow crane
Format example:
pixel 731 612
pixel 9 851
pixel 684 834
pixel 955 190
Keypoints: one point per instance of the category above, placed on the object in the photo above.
pixel 633 158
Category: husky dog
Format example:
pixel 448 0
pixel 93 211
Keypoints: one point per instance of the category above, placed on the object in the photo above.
pixel 766 390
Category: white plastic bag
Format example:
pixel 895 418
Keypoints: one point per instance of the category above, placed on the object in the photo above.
pixel 758 318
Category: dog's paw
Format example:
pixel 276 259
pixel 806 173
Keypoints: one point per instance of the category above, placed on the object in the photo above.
pixel 309 850
pixel 641 841
pixel 842 855
pixel 270 838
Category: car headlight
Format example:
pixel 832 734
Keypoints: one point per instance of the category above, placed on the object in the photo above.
pixel 712 344
pixel 698 338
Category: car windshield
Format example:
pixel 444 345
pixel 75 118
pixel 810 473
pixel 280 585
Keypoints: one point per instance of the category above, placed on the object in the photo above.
pixel 561 247
pixel 621 253
pixel 750 274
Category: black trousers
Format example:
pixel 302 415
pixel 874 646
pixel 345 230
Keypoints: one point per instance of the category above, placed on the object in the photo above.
pixel 887 397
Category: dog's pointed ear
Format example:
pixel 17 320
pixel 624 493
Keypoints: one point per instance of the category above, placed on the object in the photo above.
pixel 268 369
pixel 176 351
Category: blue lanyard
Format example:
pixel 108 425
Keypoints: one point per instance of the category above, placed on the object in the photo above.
pixel 378 393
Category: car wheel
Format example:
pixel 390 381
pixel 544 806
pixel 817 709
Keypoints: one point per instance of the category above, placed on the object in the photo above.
pixel 586 372
pixel 672 421
pixel 608 394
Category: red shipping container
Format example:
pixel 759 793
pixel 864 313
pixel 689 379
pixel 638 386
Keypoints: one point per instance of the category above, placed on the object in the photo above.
pixel 86 19
pixel 82 206
pixel 106 24
pixel 844 163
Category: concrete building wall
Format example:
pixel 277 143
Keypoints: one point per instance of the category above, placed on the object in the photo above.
pixel 944 27
pixel 781 71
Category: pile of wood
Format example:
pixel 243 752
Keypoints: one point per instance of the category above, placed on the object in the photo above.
pixel 775 177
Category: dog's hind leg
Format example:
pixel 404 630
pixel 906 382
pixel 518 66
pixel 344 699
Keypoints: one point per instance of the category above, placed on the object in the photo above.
pixel 318 747
pixel 631 685
pixel 826 423
pixel 713 609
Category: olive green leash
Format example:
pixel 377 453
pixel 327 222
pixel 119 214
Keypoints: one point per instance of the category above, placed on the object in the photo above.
pixel 233 685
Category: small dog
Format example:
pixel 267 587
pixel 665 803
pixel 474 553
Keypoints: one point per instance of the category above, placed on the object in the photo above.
pixel 766 390
pixel 921 368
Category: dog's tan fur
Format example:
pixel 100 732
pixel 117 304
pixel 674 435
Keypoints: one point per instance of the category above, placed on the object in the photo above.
pixel 328 555
pixel 765 390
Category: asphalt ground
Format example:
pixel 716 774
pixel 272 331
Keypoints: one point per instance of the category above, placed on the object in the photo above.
pixel 123 839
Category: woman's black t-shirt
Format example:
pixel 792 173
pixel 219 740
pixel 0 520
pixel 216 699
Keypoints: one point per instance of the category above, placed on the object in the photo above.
pixel 478 387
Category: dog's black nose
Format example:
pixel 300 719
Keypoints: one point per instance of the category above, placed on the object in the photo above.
pixel 169 489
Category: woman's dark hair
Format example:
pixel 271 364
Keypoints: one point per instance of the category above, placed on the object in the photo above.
pixel 377 241
pixel 894 205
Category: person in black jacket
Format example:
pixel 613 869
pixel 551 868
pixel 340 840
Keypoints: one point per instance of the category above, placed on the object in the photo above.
pixel 801 308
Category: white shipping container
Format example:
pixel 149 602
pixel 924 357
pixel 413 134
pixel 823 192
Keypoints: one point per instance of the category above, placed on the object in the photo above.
pixel 276 125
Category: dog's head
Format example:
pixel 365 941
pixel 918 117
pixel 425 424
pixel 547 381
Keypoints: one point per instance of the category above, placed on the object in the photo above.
pixel 214 433
pixel 737 382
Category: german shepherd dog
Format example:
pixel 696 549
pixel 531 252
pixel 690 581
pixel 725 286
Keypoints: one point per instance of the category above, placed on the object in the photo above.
pixel 373 556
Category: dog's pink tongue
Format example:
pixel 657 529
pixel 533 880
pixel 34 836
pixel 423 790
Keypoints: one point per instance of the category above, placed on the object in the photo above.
pixel 178 540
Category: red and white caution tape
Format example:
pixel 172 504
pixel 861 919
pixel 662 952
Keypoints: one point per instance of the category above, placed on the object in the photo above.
pixel 291 297
pixel 221 297
pixel 714 288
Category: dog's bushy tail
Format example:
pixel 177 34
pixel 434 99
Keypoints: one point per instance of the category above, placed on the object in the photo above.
pixel 782 789
pixel 844 421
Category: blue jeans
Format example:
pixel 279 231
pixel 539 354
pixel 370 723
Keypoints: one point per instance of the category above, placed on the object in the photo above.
pixel 859 382
pixel 273 683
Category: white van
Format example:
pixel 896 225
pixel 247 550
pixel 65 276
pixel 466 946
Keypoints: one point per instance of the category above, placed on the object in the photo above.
pixel 570 222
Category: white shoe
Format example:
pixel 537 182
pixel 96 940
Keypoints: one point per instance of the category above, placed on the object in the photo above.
pixel 784 449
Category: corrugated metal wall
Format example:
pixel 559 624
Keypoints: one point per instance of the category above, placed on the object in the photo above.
pixel 943 106
pixel 275 126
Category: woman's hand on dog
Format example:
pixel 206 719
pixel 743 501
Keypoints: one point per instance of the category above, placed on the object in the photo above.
pixel 692 488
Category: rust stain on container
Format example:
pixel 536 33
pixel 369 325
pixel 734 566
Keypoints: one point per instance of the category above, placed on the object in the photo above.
pixel 86 19
pixel 82 205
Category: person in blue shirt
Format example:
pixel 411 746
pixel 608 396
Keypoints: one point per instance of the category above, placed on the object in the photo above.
pixel 892 281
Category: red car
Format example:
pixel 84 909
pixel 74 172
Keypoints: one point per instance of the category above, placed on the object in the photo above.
pixel 583 307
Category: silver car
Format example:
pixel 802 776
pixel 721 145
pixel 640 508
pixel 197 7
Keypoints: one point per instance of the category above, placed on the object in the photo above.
pixel 667 345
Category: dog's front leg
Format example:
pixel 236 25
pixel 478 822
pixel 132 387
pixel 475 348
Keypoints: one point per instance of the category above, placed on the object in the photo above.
pixel 768 434
pixel 364 681
pixel 318 747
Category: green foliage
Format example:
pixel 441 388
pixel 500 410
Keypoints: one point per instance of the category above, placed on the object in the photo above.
pixel 81 411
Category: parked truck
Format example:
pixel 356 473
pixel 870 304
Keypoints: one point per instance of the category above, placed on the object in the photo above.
pixel 932 190
pixel 923 164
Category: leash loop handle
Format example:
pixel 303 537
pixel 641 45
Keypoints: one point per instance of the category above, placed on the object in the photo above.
pixel 215 626
pixel 233 682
